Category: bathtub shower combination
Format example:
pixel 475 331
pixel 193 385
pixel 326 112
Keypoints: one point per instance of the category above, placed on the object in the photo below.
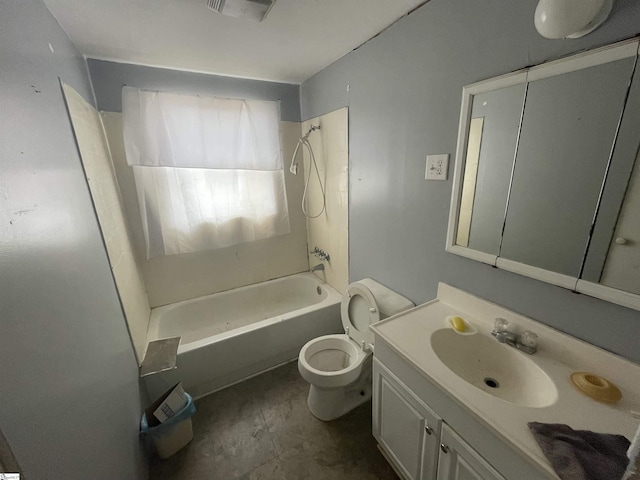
pixel 229 336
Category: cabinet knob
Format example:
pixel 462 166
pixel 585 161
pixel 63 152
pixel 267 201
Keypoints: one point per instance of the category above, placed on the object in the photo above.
pixel 444 448
pixel 621 241
pixel 428 429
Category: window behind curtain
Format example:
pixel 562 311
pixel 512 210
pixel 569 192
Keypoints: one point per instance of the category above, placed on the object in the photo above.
pixel 208 171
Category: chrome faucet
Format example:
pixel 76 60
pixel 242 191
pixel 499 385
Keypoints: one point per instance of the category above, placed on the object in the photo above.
pixel 527 341
pixel 321 254
pixel 320 266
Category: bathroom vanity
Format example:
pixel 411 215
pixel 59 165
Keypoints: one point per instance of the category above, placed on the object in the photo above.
pixel 448 405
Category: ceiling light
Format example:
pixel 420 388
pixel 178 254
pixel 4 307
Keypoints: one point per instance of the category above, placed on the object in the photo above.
pixel 570 18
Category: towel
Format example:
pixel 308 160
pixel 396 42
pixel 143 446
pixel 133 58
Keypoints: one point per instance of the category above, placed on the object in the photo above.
pixel 633 470
pixel 581 454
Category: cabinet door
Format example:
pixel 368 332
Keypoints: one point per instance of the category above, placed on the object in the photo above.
pixel 406 429
pixel 458 461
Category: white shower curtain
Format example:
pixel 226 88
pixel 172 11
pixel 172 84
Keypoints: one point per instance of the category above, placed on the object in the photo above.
pixel 208 171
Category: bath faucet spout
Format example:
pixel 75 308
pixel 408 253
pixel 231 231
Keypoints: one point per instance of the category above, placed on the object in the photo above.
pixel 317 267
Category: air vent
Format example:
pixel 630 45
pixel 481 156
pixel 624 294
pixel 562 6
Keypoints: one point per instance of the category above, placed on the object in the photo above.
pixel 252 9
pixel 215 5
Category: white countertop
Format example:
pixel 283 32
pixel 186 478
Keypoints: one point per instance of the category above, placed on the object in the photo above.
pixel 558 355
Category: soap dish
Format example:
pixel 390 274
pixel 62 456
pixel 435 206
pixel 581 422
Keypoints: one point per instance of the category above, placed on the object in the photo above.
pixel 596 387
pixel 471 330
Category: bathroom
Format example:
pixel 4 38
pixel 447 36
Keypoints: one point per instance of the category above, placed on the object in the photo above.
pixel 70 376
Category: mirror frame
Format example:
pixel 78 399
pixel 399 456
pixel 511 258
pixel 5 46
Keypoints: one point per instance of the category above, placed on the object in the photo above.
pixel 609 53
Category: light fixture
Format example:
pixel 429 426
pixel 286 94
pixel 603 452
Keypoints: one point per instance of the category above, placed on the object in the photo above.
pixel 570 18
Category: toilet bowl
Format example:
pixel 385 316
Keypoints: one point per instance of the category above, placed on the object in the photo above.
pixel 338 367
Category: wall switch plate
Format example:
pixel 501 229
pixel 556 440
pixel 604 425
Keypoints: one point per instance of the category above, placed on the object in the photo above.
pixel 437 166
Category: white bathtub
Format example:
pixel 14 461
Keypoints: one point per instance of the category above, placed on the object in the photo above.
pixel 229 336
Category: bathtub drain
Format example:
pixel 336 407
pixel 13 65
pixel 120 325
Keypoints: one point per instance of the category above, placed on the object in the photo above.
pixel 319 290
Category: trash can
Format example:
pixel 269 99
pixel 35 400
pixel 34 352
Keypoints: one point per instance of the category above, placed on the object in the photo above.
pixel 174 433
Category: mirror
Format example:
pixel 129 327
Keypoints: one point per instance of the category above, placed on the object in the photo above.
pixel 567 133
pixel 491 147
pixel 543 172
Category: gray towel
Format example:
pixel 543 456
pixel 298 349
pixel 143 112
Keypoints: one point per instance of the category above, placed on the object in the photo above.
pixel 581 454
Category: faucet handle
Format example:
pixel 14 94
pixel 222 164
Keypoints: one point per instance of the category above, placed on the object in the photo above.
pixel 529 339
pixel 500 325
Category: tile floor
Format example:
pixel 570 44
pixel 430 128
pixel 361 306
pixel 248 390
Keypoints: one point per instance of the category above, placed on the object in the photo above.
pixel 261 429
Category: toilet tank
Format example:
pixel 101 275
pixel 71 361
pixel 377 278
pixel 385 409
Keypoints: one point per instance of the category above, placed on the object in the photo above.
pixel 389 302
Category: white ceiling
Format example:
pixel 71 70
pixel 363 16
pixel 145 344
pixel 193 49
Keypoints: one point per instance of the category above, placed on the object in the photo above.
pixel 297 39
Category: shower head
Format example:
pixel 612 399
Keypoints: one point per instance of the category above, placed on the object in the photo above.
pixel 312 128
pixel 303 140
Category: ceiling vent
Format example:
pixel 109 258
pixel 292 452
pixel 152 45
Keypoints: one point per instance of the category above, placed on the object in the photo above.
pixel 252 9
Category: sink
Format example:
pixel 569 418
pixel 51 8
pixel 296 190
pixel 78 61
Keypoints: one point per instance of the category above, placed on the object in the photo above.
pixel 495 368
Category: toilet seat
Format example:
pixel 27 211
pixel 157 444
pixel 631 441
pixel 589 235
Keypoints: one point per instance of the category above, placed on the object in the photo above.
pixel 359 310
pixel 338 367
pixel 331 360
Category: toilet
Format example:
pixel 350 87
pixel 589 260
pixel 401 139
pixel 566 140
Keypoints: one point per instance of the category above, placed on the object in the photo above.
pixel 338 367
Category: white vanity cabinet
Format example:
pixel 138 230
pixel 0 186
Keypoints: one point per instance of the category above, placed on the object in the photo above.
pixel 418 443
pixel 405 427
pixel 458 461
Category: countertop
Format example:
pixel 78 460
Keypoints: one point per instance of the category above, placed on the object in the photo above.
pixel 558 355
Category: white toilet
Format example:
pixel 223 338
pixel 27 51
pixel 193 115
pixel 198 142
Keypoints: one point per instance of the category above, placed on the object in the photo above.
pixel 338 367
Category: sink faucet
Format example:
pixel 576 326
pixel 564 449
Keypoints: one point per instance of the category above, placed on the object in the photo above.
pixel 320 266
pixel 527 341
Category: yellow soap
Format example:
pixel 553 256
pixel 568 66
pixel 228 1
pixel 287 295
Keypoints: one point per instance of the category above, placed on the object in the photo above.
pixel 459 324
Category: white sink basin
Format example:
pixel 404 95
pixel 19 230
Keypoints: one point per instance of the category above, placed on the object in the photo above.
pixel 495 368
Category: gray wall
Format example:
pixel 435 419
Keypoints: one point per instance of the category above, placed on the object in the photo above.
pixel 69 395
pixel 109 77
pixel 403 89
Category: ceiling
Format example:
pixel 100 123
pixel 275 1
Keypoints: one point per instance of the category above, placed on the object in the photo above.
pixel 297 39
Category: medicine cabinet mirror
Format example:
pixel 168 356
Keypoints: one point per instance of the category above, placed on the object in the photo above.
pixel 544 181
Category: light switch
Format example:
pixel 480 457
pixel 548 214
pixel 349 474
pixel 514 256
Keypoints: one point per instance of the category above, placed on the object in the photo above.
pixel 437 166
